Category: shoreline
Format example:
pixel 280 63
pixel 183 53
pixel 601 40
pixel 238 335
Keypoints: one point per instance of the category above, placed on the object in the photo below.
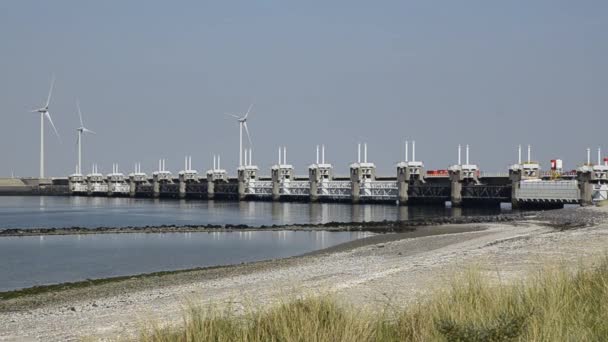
pixel 386 269
pixel 386 231
pixel 370 226
pixel 54 289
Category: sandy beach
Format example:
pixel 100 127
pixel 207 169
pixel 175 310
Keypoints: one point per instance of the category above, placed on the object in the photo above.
pixel 388 269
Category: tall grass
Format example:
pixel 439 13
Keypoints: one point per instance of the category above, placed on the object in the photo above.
pixel 555 304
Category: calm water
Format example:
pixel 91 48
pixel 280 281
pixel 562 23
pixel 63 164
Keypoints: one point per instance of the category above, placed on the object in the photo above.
pixel 31 211
pixel 30 261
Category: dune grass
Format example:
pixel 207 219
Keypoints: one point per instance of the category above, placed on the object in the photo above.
pixel 556 304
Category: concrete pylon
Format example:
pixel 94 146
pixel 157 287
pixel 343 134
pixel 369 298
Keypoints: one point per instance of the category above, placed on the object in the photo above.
pixel 403 183
pixel 314 178
pixel 132 186
pixel 242 174
pixel 355 183
pixel 182 186
pixel 455 187
pixel 110 188
pixel 585 177
pixel 276 183
pixel 155 186
pixel 245 175
pixel 211 186
pixel 515 175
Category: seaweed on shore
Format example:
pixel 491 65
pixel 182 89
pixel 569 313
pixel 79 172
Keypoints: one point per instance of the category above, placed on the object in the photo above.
pixel 384 226
pixel 41 289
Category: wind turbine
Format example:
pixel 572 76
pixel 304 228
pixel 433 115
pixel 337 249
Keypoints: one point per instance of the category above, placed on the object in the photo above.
pixel 242 123
pixel 81 130
pixel 44 113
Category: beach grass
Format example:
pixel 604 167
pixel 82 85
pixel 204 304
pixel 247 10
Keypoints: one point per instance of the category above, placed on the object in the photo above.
pixel 557 303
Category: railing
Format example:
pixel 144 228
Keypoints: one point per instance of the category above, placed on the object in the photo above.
pixel 379 189
pixel 259 188
pixel 98 187
pixel 297 185
pixel 549 174
pixel 337 189
pixel 295 188
pixel 380 185
pixel 79 187
pixel 119 187
pixel 493 174
pixel 337 185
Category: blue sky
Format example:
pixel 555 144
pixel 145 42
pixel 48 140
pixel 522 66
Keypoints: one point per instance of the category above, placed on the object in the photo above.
pixel 155 79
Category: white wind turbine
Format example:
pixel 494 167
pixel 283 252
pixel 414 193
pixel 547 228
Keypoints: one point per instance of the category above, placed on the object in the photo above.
pixel 242 123
pixel 81 130
pixel 44 113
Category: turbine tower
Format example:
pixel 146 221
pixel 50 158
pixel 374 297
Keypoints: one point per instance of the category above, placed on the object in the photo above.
pixel 81 130
pixel 44 113
pixel 242 123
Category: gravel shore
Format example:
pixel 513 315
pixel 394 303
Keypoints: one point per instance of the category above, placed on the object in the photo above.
pixel 394 269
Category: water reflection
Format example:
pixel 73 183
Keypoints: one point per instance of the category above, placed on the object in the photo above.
pixel 23 212
pixel 29 261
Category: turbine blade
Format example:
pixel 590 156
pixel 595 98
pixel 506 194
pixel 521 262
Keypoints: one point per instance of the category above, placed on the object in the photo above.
pixel 48 100
pixel 79 113
pixel 88 131
pixel 247 131
pixel 248 110
pixel 48 116
pixel 234 116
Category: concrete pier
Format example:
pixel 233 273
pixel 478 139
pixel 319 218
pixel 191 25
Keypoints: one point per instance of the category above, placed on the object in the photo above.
pixel 281 176
pixel 186 176
pixel 77 184
pixel 215 176
pixel 132 187
pixel 155 187
pixel 315 179
pixel 210 185
pixel 403 183
pixel 158 178
pixel 182 186
pixel 591 180
pixel 246 174
pixel 522 171
pixel 585 185
pixel 456 180
pixel 96 184
pixel 361 175
pixel 319 176
pixel 461 174
pixel 408 173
